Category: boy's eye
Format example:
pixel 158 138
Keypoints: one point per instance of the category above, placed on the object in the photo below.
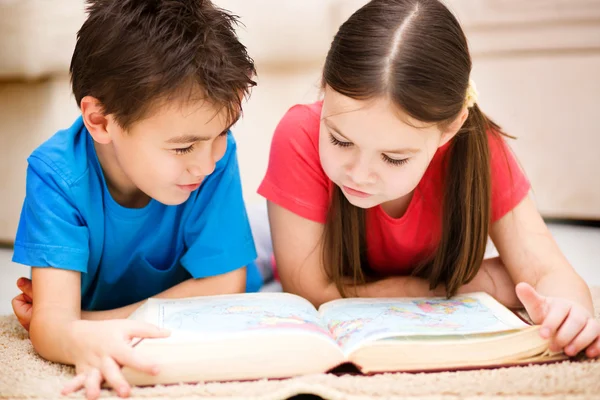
pixel 393 161
pixel 337 142
pixel 184 150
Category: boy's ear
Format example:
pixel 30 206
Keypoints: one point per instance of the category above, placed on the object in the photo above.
pixel 94 119
pixel 451 130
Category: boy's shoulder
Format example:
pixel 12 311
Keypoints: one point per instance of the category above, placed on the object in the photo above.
pixel 65 155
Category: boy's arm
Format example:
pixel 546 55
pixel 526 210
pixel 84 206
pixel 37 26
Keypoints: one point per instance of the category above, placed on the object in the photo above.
pixel 228 283
pixel 57 294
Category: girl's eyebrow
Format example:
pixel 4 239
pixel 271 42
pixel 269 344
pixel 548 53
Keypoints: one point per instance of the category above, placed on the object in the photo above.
pixel 405 151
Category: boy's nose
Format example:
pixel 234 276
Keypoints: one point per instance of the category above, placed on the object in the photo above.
pixel 203 166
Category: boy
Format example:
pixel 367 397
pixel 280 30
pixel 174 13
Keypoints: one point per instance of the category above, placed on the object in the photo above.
pixel 141 196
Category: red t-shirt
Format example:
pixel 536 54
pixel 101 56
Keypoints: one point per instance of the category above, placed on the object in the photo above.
pixel 296 181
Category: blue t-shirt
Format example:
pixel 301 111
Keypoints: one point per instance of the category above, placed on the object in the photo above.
pixel 70 221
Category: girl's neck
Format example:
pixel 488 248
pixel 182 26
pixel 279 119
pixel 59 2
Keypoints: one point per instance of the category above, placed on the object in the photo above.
pixel 397 208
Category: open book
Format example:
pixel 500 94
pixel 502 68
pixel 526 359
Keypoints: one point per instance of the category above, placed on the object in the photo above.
pixel 277 335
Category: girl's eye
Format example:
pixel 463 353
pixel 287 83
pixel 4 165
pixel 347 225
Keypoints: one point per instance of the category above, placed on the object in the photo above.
pixel 393 161
pixel 336 142
pixel 184 150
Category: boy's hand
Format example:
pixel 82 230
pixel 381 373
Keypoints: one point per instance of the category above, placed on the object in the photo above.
pixel 100 348
pixel 570 325
pixel 22 304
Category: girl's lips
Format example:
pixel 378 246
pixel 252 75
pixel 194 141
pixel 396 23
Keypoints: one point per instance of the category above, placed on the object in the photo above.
pixel 355 193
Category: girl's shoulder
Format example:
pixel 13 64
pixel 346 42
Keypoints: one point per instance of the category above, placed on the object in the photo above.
pixel 300 122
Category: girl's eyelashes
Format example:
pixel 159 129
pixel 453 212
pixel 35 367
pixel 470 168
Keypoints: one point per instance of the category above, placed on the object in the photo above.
pixel 337 142
pixel 184 150
pixel 388 160
pixel 393 161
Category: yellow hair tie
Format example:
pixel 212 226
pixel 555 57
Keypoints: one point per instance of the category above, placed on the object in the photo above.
pixel 472 94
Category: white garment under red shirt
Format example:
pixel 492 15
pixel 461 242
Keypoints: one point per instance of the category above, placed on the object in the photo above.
pixel 296 181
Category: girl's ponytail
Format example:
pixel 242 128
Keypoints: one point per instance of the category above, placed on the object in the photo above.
pixel 466 212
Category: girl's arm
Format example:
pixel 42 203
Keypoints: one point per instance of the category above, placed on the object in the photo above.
pixel 531 255
pixel 550 290
pixel 297 244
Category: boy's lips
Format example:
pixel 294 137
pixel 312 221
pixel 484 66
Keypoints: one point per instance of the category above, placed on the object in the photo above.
pixel 190 188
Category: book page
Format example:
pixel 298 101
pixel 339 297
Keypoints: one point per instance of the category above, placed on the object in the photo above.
pixel 216 316
pixel 355 321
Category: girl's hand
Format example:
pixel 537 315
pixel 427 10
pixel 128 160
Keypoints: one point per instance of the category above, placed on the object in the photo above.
pixel 570 326
pixel 494 279
pixel 100 348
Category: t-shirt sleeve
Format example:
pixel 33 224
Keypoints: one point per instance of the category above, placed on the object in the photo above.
pixel 295 179
pixel 217 233
pixel 51 232
pixel 509 183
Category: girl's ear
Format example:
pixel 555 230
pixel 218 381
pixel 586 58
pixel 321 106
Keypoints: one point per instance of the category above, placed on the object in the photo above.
pixel 94 119
pixel 451 130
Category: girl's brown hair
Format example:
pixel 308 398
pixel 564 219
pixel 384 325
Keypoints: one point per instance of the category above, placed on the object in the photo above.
pixel 415 53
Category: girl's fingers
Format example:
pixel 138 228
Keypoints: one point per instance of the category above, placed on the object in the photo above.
pixel 584 339
pixel 114 377
pixel 535 304
pixel 92 384
pixel 593 349
pixel 74 384
pixel 570 328
pixel 557 314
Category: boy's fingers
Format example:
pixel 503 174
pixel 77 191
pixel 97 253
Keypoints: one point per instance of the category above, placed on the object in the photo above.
pixel 25 285
pixel 146 330
pixel 584 339
pixel 22 310
pixel 92 384
pixel 535 304
pixel 130 358
pixel 114 377
pixel 74 385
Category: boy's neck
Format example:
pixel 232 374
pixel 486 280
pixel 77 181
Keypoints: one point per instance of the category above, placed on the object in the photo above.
pixel 120 187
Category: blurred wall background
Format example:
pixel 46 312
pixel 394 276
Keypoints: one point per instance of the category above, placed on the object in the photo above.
pixel 537 68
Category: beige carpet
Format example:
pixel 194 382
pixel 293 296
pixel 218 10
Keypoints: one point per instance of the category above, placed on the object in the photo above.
pixel 24 375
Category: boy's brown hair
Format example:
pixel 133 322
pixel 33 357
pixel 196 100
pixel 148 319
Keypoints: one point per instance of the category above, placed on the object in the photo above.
pixel 133 54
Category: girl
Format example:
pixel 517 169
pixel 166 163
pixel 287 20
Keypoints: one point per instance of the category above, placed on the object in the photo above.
pixel 392 183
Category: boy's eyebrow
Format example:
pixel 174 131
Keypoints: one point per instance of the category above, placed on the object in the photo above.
pixel 331 126
pixel 190 138
pixel 187 138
